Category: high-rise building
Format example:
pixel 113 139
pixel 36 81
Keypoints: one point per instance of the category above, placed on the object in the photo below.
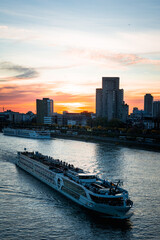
pixel 109 100
pixel 99 102
pixel 156 109
pixel 125 112
pixel 44 109
pixel 148 104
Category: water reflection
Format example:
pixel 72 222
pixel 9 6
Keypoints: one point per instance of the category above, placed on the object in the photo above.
pixel 57 217
pixel 107 223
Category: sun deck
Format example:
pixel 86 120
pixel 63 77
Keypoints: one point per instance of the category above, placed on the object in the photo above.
pixel 88 180
pixel 52 164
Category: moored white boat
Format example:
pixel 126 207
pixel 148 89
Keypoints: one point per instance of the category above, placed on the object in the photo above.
pixel 27 133
pixel 101 196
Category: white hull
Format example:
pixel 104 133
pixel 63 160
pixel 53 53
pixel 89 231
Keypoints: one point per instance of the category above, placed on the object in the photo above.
pixel 25 133
pixel 72 190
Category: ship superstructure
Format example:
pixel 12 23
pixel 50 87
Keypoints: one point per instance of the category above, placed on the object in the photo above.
pixel 26 133
pixel 101 196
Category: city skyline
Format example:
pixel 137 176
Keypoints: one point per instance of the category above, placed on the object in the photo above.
pixel 61 50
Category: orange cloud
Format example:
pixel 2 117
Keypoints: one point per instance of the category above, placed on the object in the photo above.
pixel 74 103
pixel 23 99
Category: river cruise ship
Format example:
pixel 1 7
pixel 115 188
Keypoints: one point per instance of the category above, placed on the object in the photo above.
pixel 88 190
pixel 26 133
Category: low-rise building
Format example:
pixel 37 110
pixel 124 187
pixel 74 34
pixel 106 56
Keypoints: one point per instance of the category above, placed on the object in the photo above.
pixel 16 117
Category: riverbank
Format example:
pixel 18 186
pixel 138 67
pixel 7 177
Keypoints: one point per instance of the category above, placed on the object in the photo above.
pixel 136 142
pixel 128 143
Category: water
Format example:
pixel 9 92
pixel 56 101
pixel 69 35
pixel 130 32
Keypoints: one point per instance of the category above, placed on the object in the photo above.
pixel 30 209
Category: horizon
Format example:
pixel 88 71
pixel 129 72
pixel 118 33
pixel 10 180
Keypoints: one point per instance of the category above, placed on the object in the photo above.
pixel 61 50
pixel 94 112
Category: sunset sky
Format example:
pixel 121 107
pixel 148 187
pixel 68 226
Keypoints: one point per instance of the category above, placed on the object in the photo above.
pixel 61 49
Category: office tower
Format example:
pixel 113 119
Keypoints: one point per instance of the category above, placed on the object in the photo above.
pixel 148 103
pixel 99 102
pixel 125 112
pixel 156 109
pixel 44 109
pixel 109 99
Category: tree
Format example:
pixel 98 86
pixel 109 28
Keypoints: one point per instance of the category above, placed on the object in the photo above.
pixel 115 123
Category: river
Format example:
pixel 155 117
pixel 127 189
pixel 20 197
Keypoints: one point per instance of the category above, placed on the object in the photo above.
pixel 30 209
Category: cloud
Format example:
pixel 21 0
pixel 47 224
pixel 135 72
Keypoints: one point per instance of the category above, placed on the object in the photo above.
pixel 3 27
pixel 74 103
pixel 67 97
pixel 14 72
pixel 132 59
pixel 103 57
pixel 23 98
pixel 25 93
pixel 28 73
pixel 9 87
pixel 56 67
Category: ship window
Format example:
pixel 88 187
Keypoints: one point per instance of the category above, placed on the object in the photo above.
pixel 70 192
pixel 110 201
pixel 86 177
pixel 74 187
